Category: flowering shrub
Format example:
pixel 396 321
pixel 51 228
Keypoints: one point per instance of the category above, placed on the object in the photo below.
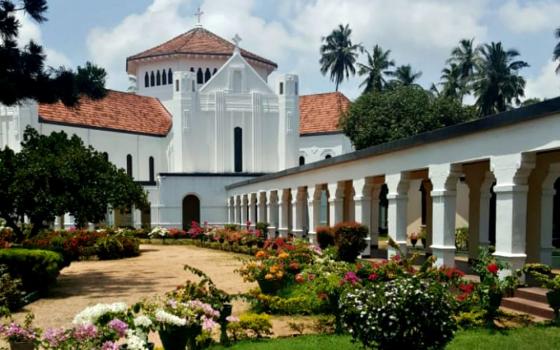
pixel 350 240
pixel 325 236
pixel 250 326
pixel 405 313
pixel 117 246
pixel 14 332
pixel 158 232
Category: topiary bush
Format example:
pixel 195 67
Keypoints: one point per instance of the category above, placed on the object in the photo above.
pixel 350 240
pixel 406 313
pixel 325 236
pixel 38 269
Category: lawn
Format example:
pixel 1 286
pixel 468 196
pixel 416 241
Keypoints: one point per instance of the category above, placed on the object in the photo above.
pixel 522 338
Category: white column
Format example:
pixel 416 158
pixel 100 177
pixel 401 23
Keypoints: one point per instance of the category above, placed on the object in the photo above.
pixel 362 205
pixel 314 210
pixel 283 207
pixel 397 185
pixel 444 179
pixel 547 213
pixel 237 209
pixel 244 206
pixel 272 212
pixel 484 208
pixel 252 209
pixel 374 233
pixel 229 204
pixel 297 211
pixel 336 202
pixel 261 207
pixel 511 172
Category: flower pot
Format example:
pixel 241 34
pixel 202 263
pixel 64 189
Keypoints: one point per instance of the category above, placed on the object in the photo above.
pixel 25 345
pixel 270 287
pixel 413 242
pixel 177 338
pixel 553 298
pixel 424 242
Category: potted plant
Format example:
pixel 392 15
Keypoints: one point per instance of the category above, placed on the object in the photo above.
pixel 21 337
pixel 553 295
pixel 423 235
pixel 413 238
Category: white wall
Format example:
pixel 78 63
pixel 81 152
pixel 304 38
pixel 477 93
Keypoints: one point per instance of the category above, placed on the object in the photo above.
pixel 316 147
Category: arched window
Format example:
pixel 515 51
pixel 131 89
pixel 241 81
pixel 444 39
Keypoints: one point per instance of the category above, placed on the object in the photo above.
pixel 163 78
pixel 215 71
pixel 158 78
pixel 328 156
pixel 191 210
pixel 169 76
pixel 199 76
pixel 146 80
pixel 151 169
pixel 301 160
pixel 207 75
pixel 238 149
pixel 152 79
pixel 129 165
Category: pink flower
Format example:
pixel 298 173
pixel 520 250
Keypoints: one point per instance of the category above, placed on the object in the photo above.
pixel 232 319
pixel 85 332
pixel 55 336
pixel 118 326
pixel 350 277
pixel 109 345
pixel 208 323
pixel 373 277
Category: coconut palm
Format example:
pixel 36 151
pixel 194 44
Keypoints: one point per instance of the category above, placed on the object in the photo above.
pixel 556 52
pixel 497 82
pixel 338 54
pixel 465 56
pixel 375 69
pixel 453 85
pixel 404 75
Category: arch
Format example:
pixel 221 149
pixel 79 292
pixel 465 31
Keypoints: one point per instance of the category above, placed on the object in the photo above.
pixel 163 78
pixel 191 210
pixel 151 169
pixel 146 80
pixel 129 164
pixel 215 71
pixel 238 149
pixel 158 78
pixel 207 75
pixel 152 79
pixel 199 76
pixel 301 160
pixel 169 76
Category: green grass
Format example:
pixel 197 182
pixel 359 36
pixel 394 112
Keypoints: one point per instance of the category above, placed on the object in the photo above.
pixel 541 338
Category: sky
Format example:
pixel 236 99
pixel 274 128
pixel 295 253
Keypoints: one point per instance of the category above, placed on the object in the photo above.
pixel 418 32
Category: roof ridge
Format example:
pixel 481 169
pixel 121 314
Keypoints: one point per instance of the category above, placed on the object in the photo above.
pixel 325 93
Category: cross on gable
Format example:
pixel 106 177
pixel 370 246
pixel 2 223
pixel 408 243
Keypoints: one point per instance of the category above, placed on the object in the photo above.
pixel 198 14
pixel 236 39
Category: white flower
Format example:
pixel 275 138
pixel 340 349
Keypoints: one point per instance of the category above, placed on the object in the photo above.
pixel 91 314
pixel 135 340
pixel 142 321
pixel 167 318
pixel 158 231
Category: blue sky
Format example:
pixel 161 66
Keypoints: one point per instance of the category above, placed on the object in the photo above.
pixel 419 32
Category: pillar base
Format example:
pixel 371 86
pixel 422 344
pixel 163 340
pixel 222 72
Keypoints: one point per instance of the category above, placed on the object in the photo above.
pixel 271 232
pixel 445 255
pixel 515 261
pixel 297 233
pixel 283 232
pixel 367 251
pixel 312 237
pixel 392 251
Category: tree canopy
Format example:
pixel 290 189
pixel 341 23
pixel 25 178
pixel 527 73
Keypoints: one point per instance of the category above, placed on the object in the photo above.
pixel 56 174
pixel 23 74
pixel 339 54
pixel 400 112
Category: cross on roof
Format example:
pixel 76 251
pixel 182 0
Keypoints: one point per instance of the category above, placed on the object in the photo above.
pixel 236 39
pixel 198 14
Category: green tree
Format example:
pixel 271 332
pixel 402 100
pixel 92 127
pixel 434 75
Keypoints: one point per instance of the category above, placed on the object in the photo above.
pixel 497 82
pixel 398 113
pixel 376 68
pixel 56 174
pixel 465 56
pixel 452 83
pixel 530 101
pixel 404 75
pixel 339 54
pixel 23 74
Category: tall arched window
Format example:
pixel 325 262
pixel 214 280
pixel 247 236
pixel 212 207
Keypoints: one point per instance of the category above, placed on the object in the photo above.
pixel 238 149
pixel 151 169
pixel 163 78
pixel 200 76
pixel 146 80
pixel 169 76
pixel 301 160
pixel 152 79
pixel 129 165
pixel 207 75
pixel 158 78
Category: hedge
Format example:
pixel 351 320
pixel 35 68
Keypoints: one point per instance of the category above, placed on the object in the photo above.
pixel 38 269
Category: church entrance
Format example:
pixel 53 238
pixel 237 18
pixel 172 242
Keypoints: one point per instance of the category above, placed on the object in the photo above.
pixel 191 210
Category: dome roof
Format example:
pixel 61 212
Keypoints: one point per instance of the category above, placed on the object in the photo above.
pixel 197 41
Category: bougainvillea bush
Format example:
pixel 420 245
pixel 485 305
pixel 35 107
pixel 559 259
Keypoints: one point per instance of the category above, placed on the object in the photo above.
pixel 405 313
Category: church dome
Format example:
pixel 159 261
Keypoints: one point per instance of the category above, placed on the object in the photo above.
pixel 196 43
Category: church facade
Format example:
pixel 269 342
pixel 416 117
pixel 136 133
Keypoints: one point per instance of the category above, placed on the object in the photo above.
pixel 203 116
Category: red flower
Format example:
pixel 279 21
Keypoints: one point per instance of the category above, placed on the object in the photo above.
pixel 467 288
pixel 299 278
pixel 396 258
pixel 493 269
pixel 373 277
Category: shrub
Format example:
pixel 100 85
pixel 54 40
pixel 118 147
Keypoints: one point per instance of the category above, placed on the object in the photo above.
pixel 350 240
pixel 10 290
pixel 406 313
pixel 38 269
pixel 231 227
pixel 462 238
pixel 250 326
pixel 117 247
pixel 263 228
pixel 325 237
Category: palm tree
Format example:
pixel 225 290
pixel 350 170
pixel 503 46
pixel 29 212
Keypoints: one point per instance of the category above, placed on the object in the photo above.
pixel 497 82
pixel 556 52
pixel 377 66
pixel 465 56
pixel 453 85
pixel 404 75
pixel 338 54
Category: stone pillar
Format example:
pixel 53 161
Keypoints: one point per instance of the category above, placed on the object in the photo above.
pixel 230 213
pixel 336 202
pixel 374 233
pixel 397 185
pixel 547 212
pixel 244 207
pixel 283 207
pixel 484 211
pixel 511 172
pixel 252 209
pixel 237 209
pixel 272 212
pixel 261 207
pixel 362 205
pixel 297 211
pixel 444 179
pixel 314 210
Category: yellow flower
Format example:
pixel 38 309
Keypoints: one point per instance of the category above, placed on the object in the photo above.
pixel 268 277
pixel 260 254
pixel 274 268
pixel 280 274
pixel 283 255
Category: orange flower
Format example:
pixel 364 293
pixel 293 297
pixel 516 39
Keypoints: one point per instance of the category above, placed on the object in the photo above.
pixel 260 254
pixel 283 255
pixel 268 277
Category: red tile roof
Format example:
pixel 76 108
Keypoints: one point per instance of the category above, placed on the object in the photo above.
pixel 118 111
pixel 198 41
pixel 320 113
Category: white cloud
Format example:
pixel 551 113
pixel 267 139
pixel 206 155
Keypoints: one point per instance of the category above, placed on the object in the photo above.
pixel 546 84
pixel 530 17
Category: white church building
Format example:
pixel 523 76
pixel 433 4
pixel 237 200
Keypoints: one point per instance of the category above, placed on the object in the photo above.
pixel 203 116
